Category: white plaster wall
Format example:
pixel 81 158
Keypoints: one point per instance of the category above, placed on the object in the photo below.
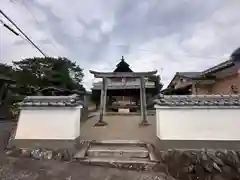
pixel 198 123
pixel 52 123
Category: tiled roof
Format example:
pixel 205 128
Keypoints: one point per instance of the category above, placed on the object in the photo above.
pixel 123 66
pixel 198 100
pixel 53 101
pixel 217 67
pixel 188 74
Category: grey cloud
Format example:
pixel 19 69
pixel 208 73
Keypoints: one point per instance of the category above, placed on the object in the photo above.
pixel 165 33
pixel 45 41
pixel 83 47
pixel 133 26
pixel 19 42
pixel 160 19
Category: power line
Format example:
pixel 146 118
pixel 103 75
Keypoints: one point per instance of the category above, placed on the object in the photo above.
pixel 9 28
pixel 14 24
pixel 12 30
pixel 28 9
pixel 35 19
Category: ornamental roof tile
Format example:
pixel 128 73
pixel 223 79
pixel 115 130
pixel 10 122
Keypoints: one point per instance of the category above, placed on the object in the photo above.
pixel 198 100
pixel 51 101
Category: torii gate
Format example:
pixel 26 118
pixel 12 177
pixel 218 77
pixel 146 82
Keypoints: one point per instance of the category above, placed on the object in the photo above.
pixel 108 75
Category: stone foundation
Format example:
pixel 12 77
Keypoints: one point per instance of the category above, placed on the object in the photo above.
pixel 202 164
pixel 49 144
pixel 215 164
pixel 182 165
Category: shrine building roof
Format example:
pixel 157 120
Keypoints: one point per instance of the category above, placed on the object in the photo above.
pixel 123 66
pixel 122 70
pixel 122 74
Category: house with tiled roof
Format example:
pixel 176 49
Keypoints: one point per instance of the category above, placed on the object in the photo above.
pixel 223 78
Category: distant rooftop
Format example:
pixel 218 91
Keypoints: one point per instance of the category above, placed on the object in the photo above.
pixel 188 74
pixel 208 72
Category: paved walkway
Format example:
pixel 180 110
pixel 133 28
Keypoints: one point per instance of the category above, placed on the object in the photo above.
pixel 119 127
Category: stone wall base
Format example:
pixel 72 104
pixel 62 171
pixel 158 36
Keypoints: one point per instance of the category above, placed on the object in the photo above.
pixel 45 144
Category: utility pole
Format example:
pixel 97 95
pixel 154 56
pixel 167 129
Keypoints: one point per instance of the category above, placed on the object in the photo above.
pixel 15 25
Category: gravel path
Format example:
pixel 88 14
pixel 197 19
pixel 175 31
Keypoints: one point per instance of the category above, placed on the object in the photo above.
pixel 5 131
pixel 119 127
pixel 28 169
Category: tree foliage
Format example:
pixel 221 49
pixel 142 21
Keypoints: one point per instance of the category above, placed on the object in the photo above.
pixel 31 75
pixel 38 73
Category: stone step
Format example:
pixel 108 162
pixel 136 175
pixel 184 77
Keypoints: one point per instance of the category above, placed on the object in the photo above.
pixel 117 151
pixel 119 142
pixel 115 161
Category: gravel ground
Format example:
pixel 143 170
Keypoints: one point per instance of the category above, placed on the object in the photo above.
pixel 119 127
pixel 19 168
pixel 180 165
pixel 28 169
pixel 5 132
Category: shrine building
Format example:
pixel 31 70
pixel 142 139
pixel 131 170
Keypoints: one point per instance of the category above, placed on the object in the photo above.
pixel 125 91
pixel 123 88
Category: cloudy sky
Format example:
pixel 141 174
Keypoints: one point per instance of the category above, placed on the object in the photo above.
pixel 167 35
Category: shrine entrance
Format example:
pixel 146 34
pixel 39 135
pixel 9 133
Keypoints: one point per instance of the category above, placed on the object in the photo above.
pixel 124 91
pixel 127 99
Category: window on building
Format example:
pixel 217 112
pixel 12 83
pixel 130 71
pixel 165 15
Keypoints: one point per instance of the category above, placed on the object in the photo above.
pixel 234 89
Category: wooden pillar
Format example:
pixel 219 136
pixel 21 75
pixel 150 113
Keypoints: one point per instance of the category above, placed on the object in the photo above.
pixel 102 103
pixel 3 92
pixel 104 88
pixel 143 102
pixel 2 89
pixel 110 100
pixel 141 98
pixel 194 88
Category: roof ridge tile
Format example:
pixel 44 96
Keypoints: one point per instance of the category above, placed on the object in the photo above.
pixel 199 100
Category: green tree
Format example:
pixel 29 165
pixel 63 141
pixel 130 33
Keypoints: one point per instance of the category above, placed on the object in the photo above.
pixel 37 73
pixel 6 97
pixel 33 74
